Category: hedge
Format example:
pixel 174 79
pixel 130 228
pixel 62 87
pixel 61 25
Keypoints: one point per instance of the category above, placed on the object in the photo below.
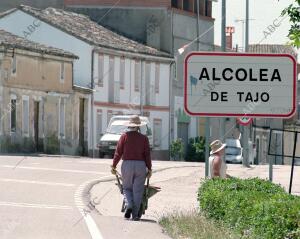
pixel 255 208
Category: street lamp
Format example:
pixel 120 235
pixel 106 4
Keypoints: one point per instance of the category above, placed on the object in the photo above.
pixel 243 21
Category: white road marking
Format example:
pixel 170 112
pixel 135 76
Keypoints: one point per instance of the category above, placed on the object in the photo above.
pixel 94 231
pixel 81 205
pixel 53 169
pixel 96 162
pixel 37 182
pixel 32 205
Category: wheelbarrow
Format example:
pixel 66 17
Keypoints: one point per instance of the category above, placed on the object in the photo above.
pixel 149 191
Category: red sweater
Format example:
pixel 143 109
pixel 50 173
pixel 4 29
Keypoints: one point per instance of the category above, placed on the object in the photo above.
pixel 133 146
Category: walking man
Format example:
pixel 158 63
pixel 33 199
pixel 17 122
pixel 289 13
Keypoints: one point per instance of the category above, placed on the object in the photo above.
pixel 133 147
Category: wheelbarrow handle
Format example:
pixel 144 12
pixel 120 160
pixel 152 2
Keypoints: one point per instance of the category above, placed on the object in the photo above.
pixel 119 182
pixel 148 179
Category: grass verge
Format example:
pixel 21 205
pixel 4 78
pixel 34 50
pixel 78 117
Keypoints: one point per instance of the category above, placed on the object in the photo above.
pixel 193 225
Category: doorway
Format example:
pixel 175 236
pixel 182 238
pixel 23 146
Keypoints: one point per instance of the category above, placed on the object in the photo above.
pixel 36 125
pixel 83 151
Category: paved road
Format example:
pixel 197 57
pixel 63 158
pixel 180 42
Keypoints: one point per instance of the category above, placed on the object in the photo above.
pixel 39 196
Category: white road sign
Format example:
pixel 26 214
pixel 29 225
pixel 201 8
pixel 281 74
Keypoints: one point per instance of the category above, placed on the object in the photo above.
pixel 239 84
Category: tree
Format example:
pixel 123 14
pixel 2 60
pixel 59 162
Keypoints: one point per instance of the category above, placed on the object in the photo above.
pixel 293 11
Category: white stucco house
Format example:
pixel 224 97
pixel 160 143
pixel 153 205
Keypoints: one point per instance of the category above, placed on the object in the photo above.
pixel 127 77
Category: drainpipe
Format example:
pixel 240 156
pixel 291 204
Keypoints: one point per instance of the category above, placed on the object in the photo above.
pixel 173 68
pixel 142 88
pixel 92 102
pixel 171 77
pixel 198 24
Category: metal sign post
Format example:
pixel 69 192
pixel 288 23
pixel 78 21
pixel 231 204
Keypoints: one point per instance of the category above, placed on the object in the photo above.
pixel 293 156
pixel 293 162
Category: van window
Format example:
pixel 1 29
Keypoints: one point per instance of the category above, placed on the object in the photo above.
pixel 120 129
pixel 232 151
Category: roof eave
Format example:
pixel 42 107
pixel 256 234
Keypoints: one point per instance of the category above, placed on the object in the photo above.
pixel 86 40
pixel 4 14
pixel 39 51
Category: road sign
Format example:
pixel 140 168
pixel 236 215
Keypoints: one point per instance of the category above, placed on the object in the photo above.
pixel 238 84
pixel 244 120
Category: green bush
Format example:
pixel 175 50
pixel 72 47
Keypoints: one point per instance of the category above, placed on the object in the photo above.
pixel 195 150
pixel 253 207
pixel 177 149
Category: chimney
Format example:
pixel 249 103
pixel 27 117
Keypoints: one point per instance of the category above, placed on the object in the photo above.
pixel 229 32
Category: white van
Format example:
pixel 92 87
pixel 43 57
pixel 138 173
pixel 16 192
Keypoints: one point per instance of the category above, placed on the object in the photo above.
pixel 233 151
pixel 116 127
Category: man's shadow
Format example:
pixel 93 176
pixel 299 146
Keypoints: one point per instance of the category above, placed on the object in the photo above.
pixel 148 220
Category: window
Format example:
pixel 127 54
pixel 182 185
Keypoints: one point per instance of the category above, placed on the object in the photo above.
pixel 100 70
pixel 109 115
pixel 25 116
pixel 195 6
pixel 188 5
pixel 0 120
pixel 99 124
pixel 157 132
pixel 202 7
pixel 62 72
pixel 157 74
pixel 137 75
pixel 122 73
pixel 13 115
pixel 175 3
pixel 62 117
pixel 14 65
pixel 208 8
pixel 111 80
pixel 117 92
pixel 148 83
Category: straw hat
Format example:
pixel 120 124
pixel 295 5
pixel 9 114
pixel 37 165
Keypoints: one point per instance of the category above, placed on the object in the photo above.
pixel 135 121
pixel 216 146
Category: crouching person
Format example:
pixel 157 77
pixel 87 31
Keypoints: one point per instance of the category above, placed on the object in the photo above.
pixel 133 147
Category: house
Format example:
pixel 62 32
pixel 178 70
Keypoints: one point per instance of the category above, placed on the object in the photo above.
pixel 260 130
pixel 126 76
pixel 167 25
pixel 40 110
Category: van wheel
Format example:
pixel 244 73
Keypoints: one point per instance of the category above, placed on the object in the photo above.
pixel 101 154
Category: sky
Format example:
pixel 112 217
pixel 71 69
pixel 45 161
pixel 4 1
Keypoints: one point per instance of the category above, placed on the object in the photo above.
pixel 263 12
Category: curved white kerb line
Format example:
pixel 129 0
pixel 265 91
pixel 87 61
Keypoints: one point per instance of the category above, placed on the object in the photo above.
pixel 93 229
pixel 91 225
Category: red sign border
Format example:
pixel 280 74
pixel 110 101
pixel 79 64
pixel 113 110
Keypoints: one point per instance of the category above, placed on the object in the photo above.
pixel 289 115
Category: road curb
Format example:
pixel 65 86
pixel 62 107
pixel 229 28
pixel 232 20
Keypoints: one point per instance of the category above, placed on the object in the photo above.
pixel 87 191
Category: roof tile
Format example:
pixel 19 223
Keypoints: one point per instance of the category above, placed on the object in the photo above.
pixel 8 39
pixel 83 27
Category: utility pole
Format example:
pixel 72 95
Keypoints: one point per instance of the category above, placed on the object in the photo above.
pixel 142 89
pixel 207 119
pixel 246 128
pixel 223 46
pixel 247 27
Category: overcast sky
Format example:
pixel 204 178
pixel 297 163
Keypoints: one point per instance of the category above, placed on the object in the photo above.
pixel 264 13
